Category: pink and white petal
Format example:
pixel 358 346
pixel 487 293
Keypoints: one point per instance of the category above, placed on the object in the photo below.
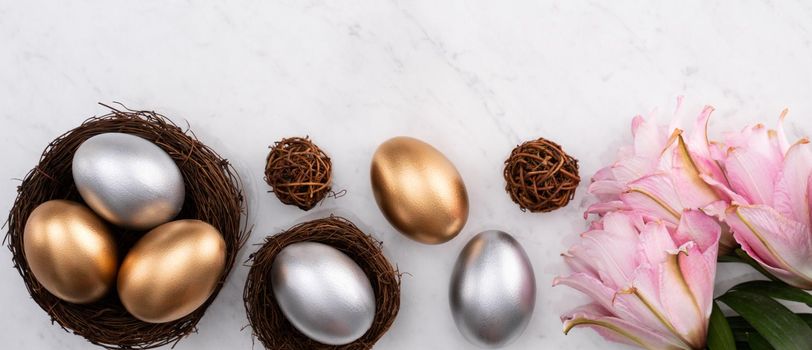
pixel 728 194
pixel 700 228
pixel 624 224
pixel 612 254
pixel 618 330
pixel 604 173
pixel 752 174
pixel 698 139
pixel 593 288
pixel 633 168
pixel 774 240
pixel 575 259
pixel 665 292
pixel 601 208
pixel 654 194
pixel 656 243
pixel 781 135
pixel 649 138
pixel 699 273
pixel 809 197
pixel 692 190
pixel 791 189
pixel 606 190
pixel 784 275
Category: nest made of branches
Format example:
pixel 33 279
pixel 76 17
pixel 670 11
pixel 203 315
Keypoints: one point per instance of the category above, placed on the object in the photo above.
pixel 266 318
pixel 213 194
pixel 540 176
pixel 299 172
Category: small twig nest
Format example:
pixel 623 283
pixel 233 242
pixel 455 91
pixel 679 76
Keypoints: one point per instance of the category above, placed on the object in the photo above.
pixel 213 194
pixel 266 318
pixel 298 172
pixel 540 176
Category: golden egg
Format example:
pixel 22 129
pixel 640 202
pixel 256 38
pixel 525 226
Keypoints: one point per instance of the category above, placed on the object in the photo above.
pixel 70 251
pixel 172 270
pixel 419 190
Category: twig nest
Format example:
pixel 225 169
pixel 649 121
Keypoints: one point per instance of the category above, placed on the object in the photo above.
pixel 264 314
pixel 540 176
pixel 213 194
pixel 299 172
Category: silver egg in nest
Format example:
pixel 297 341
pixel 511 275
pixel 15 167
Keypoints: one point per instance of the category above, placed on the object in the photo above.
pixel 493 290
pixel 323 292
pixel 127 180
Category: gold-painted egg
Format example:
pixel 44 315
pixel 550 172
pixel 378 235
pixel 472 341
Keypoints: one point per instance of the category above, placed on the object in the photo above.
pixel 172 270
pixel 419 190
pixel 70 251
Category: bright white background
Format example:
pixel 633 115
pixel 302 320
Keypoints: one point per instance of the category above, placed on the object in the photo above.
pixel 473 78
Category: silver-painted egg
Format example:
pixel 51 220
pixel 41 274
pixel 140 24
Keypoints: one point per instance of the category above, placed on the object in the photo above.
pixel 127 180
pixel 323 293
pixel 493 290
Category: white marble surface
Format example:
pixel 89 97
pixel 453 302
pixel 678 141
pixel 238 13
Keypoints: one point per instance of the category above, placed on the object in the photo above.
pixel 473 78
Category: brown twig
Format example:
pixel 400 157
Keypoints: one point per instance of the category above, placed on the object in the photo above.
pixel 540 176
pixel 298 172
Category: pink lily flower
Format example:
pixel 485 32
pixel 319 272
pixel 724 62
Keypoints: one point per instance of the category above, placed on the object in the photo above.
pixel 771 186
pixel 662 174
pixel 651 281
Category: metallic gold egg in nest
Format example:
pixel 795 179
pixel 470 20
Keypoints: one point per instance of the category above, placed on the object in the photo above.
pixel 540 176
pixel 299 172
pixel 213 195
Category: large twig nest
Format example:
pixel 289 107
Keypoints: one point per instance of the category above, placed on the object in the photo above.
pixel 213 194
pixel 267 320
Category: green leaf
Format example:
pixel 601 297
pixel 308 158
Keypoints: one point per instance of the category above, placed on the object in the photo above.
pixel 777 290
pixel 720 337
pixel 757 342
pixel 778 325
pixel 730 259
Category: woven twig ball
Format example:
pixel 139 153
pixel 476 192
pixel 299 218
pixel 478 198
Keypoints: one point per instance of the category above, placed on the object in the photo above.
pixel 298 172
pixel 540 176
pixel 266 318
pixel 213 194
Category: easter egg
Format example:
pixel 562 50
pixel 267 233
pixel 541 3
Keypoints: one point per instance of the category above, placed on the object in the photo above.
pixel 127 180
pixel 419 190
pixel 323 292
pixel 70 251
pixel 171 270
pixel 493 290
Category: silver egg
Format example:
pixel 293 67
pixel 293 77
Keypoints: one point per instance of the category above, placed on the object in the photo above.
pixel 493 290
pixel 127 180
pixel 323 293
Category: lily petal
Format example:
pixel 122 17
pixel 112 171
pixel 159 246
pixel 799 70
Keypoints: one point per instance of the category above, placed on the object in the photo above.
pixel 649 137
pixel 791 190
pixel 618 330
pixel 601 208
pixel 593 288
pixel 781 136
pixel 752 175
pixel 698 139
pixel 610 255
pixel 698 267
pixel 775 241
pixel 606 190
pixel 809 197
pixel 654 194
pixel 692 190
